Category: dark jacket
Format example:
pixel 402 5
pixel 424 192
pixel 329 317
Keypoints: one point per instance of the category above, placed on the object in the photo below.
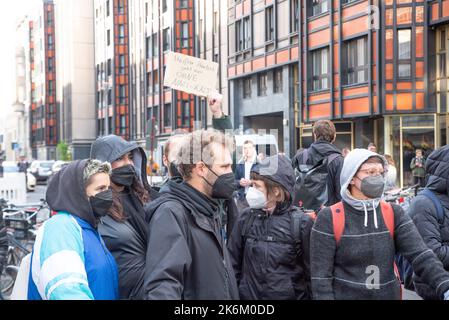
pixel 267 261
pixel 187 257
pixel 127 241
pixel 418 171
pixel 424 214
pixel 240 174
pixel 3 244
pixel 316 152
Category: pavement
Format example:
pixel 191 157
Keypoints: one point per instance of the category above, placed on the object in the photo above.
pixel 37 195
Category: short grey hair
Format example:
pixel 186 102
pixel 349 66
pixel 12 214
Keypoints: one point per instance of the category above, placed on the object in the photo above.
pixel 93 167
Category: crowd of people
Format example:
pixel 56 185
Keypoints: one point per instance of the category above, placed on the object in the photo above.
pixel 249 228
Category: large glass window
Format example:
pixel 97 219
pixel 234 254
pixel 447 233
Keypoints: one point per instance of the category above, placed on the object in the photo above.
pixel 185 34
pixel 294 16
pixel 166 39
pixel 317 7
pixel 242 34
pixel 320 69
pixel 269 24
pixel 246 88
pixel 404 53
pixel 355 64
pixel 167 115
pixel 262 80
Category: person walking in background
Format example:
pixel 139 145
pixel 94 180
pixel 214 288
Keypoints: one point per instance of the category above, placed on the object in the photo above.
pixel 417 166
pixel 392 174
pixel 243 171
pixel 70 260
pixel 125 231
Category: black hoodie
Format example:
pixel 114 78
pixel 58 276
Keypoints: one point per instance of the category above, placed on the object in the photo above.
pixel 126 240
pixel 316 152
pixel 76 201
pixel 187 257
pixel 424 214
pixel 267 261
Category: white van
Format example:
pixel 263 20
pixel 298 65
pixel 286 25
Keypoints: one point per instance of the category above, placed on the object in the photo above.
pixel 264 143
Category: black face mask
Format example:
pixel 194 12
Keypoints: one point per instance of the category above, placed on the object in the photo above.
pixel 372 187
pixel 101 203
pixel 173 169
pixel 223 187
pixel 124 176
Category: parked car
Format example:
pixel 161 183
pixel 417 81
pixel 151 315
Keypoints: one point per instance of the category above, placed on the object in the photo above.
pixel 41 169
pixel 10 167
pixel 57 166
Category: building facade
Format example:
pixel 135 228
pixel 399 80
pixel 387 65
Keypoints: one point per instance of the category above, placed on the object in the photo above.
pixel 263 67
pixel 43 112
pixel 75 75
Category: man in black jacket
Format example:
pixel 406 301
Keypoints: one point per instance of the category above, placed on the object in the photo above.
pixel 324 134
pixel 187 256
pixel 433 229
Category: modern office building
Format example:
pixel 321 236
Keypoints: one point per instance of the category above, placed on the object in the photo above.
pixel 75 75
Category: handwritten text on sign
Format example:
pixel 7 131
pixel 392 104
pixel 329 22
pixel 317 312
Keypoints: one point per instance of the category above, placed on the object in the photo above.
pixel 190 74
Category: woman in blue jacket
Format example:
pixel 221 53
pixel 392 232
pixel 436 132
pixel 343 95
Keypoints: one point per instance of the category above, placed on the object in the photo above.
pixel 69 259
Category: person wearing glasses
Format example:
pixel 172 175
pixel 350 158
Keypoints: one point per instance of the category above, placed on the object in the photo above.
pixel 354 242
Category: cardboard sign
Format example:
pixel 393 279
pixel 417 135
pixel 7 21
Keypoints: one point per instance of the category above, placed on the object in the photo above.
pixel 190 74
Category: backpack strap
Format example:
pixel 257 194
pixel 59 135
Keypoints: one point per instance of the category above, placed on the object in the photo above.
pixel 338 220
pixel 436 202
pixel 388 216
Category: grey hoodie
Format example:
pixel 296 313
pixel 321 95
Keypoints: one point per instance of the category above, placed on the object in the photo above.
pixel 361 265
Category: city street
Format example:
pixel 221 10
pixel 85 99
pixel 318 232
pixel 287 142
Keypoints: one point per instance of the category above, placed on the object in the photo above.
pixel 37 195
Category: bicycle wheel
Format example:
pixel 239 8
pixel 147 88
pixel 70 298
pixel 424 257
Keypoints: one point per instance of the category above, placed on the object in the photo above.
pixel 8 277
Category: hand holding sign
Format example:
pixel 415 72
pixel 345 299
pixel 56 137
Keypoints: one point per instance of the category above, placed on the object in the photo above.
pixel 214 100
pixel 189 74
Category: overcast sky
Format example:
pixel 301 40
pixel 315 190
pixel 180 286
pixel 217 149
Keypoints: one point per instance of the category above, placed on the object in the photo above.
pixel 9 14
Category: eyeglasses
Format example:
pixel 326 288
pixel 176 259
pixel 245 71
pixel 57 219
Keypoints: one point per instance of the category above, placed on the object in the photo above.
pixel 374 172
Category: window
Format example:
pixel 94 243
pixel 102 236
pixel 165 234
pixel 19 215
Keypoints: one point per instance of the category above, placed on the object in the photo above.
pixel 108 37
pixel 404 53
pixel 50 64
pixel 122 94
pixel 184 3
pixel 149 85
pixel 123 125
pixel 148 48
pixel 185 113
pixel 242 34
pixel 50 87
pixel 166 39
pixel 441 53
pixel 156 81
pixel 164 5
pixel 347 1
pixel 262 84
pixel 109 97
pixel 109 67
pixel 294 16
pixel 277 80
pixel 269 24
pixel 320 69
pixel 121 36
pixel 247 88
pixel 109 125
pixel 50 42
pixel 121 7
pixel 215 22
pixel 184 34
pixel 317 7
pixel 155 45
pixel 122 64
pixel 355 64
pixel 107 8
pixel 167 115
pixel 49 17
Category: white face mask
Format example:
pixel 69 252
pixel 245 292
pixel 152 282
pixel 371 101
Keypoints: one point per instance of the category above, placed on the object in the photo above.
pixel 256 199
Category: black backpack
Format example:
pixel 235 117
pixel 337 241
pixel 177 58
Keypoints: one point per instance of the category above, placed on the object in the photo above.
pixel 311 183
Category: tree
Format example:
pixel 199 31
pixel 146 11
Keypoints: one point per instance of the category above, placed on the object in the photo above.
pixel 63 151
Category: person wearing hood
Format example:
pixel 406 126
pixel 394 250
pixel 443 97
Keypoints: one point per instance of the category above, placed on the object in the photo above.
pixel 187 257
pixel 353 243
pixel 430 214
pixel 69 259
pixel 324 134
pixel 269 245
pixel 125 234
